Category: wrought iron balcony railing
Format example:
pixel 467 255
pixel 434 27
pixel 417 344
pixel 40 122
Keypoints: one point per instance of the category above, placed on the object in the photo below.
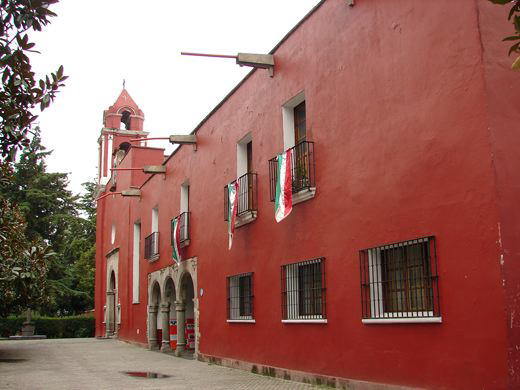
pixel 151 247
pixel 302 167
pixel 184 228
pixel 246 197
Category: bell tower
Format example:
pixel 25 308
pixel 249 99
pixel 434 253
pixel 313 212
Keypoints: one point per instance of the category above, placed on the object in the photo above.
pixel 122 122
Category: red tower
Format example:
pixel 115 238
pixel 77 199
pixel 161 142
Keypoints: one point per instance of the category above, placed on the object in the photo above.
pixel 121 122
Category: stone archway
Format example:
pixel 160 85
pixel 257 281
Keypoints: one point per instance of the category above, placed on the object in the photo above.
pixel 172 299
pixel 112 297
pixel 168 312
pixel 185 307
pixel 153 308
pixel 111 306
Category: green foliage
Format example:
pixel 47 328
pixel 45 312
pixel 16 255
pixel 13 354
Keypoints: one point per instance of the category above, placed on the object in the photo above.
pixel 62 220
pixel 23 264
pixel 52 327
pixel 20 92
pixel 514 16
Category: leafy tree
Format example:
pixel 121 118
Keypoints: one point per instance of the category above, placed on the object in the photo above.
pixel 62 220
pixel 23 264
pixel 514 15
pixel 20 91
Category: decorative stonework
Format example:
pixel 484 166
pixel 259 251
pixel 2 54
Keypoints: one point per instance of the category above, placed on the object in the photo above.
pixel 176 273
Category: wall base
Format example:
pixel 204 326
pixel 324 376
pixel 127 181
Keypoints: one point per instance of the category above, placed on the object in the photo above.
pixel 291 375
pixel 299 376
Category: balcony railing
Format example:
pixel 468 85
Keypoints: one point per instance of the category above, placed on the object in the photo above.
pixel 184 224
pixel 302 166
pixel 246 197
pixel 151 247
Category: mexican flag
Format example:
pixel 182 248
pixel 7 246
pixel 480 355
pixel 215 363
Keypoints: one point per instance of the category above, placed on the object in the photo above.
pixel 176 240
pixel 283 197
pixel 232 210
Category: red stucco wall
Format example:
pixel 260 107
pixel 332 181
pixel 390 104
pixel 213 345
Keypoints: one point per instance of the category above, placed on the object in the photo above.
pixel 413 137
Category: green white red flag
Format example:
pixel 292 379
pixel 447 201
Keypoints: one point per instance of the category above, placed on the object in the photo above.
pixel 176 240
pixel 232 210
pixel 283 197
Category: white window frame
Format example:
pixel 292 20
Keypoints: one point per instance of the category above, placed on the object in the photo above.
pixel 288 119
pixel 234 296
pixel 377 299
pixel 293 293
pixel 135 262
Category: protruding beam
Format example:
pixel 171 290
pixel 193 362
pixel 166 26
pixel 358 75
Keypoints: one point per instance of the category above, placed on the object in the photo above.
pixel 153 169
pixel 108 194
pixel 183 139
pixel 131 192
pixel 264 61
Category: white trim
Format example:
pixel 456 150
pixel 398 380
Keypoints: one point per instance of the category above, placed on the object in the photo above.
pixel 288 119
pixel 245 218
pixel 242 154
pixel 242 321
pixel 302 321
pixel 303 195
pixel 135 262
pixel 418 320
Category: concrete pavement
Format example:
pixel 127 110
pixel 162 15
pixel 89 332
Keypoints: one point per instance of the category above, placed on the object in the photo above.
pixel 100 364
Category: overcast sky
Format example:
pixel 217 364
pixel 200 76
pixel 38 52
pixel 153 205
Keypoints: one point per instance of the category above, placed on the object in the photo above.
pixel 102 42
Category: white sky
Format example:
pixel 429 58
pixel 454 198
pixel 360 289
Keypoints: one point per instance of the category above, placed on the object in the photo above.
pixel 100 42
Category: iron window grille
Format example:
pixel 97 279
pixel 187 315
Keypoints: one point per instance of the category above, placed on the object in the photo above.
pixel 184 224
pixel 246 197
pixel 400 280
pixel 302 166
pixel 303 290
pixel 151 246
pixel 240 297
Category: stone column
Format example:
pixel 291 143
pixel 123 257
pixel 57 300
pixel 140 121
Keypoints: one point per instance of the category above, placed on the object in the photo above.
pixel 180 307
pixel 152 327
pixel 165 317
pixel 110 324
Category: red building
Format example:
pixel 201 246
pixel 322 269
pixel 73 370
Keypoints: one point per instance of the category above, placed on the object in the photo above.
pixel 399 263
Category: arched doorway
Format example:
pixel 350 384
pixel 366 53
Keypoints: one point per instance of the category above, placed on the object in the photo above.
pixel 185 307
pixel 168 314
pixel 153 307
pixel 111 306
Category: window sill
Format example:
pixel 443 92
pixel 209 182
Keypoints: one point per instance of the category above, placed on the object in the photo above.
pixel 303 195
pixel 250 321
pixel 245 218
pixel 418 320
pixel 303 321
pixel 153 259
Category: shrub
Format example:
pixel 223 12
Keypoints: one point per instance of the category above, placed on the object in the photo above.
pixel 52 327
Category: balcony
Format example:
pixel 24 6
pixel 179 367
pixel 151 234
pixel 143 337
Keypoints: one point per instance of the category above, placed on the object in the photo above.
pixel 184 224
pixel 303 172
pixel 151 247
pixel 246 200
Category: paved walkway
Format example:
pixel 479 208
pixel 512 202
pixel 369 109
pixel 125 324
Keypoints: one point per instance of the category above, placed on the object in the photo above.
pixel 100 364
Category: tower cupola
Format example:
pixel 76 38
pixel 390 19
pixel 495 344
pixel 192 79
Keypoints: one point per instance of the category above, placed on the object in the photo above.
pixel 122 122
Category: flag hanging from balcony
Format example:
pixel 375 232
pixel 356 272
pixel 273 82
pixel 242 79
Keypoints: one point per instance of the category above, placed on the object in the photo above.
pixel 176 240
pixel 283 197
pixel 232 210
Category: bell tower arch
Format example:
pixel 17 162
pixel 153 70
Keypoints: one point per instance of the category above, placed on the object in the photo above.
pixel 122 122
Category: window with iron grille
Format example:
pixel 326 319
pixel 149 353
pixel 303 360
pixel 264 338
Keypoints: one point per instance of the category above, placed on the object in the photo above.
pixel 303 290
pixel 240 297
pixel 184 232
pixel 246 196
pixel 151 246
pixel 400 280
pixel 302 168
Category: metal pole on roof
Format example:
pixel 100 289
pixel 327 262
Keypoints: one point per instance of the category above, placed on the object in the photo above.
pixel 183 53
pixel 110 193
